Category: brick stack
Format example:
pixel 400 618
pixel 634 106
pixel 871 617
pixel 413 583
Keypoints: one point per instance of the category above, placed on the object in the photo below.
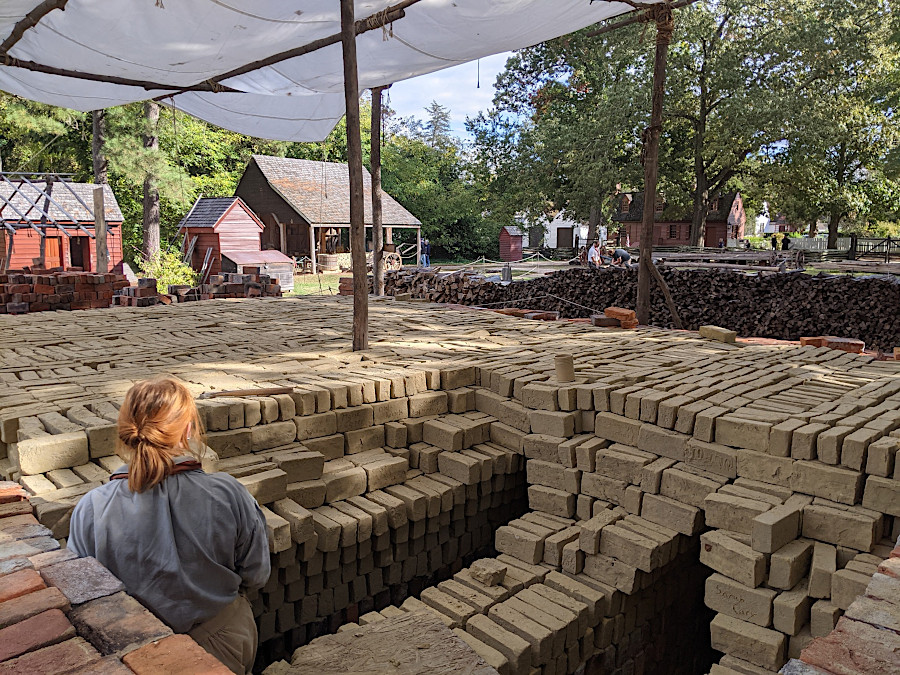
pixel 59 613
pixel 145 294
pixel 770 469
pixel 228 285
pixel 22 293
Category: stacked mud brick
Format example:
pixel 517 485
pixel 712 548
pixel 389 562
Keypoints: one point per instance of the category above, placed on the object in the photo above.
pixel 60 613
pixel 145 294
pixel 22 293
pixel 669 459
pixel 867 638
pixel 250 284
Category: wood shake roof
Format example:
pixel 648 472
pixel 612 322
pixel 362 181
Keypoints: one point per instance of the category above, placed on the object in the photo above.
pixel 320 191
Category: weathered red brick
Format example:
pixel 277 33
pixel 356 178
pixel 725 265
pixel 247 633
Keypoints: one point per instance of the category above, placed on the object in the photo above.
pixel 117 623
pixel 854 647
pixel 108 665
pixel 11 492
pixel 175 654
pixel 41 630
pixel 19 583
pixel 19 609
pixel 82 579
pixel 27 547
pixel 53 660
pixel 21 527
pixel 42 560
pixel 14 508
pixel 11 565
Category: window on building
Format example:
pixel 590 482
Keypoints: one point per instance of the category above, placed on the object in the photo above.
pixel 659 204
pixel 673 231
pixel 626 204
pixel 714 206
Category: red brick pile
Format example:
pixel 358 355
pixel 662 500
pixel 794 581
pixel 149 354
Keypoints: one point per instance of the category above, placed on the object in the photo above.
pixel 251 284
pixel 145 294
pixel 615 317
pixel 844 344
pixel 866 639
pixel 59 613
pixel 41 291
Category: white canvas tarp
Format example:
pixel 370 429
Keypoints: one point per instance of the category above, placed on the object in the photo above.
pixel 176 44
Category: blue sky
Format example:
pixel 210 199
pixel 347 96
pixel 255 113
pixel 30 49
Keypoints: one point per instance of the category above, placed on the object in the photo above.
pixel 454 88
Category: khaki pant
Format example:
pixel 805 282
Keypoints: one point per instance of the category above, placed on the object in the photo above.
pixel 230 636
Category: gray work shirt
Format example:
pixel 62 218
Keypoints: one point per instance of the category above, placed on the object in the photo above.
pixel 183 548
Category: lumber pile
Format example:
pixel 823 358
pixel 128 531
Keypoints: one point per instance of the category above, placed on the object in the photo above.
pixel 43 291
pixel 784 306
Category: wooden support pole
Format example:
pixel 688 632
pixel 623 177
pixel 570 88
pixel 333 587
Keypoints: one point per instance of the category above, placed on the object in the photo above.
pixel 377 220
pixel 419 247
pixel 667 294
pixel 664 28
pixel 312 248
pixel 102 252
pixel 354 161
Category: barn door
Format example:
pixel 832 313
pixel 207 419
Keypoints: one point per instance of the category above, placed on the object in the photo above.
pixel 53 251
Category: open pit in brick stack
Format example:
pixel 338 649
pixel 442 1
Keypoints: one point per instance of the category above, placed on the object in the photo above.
pixel 446 470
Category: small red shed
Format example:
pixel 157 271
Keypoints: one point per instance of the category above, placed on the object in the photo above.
pixel 216 225
pixel 510 244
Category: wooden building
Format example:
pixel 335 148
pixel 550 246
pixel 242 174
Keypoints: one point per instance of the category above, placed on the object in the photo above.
pixel 726 221
pixel 222 234
pixel 510 243
pixel 50 223
pixel 304 207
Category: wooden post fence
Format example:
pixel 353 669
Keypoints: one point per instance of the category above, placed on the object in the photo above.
pixel 102 251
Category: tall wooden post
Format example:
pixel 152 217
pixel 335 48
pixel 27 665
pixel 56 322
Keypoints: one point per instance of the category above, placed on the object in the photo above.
pixel 102 252
pixel 354 161
pixel 664 28
pixel 377 221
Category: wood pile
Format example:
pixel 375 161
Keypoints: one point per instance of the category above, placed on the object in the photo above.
pixel 41 291
pixel 783 306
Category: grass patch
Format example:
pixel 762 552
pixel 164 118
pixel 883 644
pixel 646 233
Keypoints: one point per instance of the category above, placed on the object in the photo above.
pixel 317 284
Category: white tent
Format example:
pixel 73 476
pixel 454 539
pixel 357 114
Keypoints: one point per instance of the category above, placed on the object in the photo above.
pixel 269 68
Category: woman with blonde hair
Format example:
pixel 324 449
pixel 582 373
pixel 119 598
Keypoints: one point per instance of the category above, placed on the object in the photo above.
pixel 183 542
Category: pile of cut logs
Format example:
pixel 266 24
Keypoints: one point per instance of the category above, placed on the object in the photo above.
pixel 784 306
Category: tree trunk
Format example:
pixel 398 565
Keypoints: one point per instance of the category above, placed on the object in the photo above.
pixel 834 220
pixel 151 192
pixel 813 230
pixel 101 163
pixel 664 28
pixel 354 162
pixel 593 224
pixel 701 211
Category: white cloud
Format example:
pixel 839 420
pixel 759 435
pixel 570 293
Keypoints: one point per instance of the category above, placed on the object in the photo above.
pixel 455 88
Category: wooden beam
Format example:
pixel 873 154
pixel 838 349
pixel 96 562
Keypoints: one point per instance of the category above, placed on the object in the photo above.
pixel 354 162
pixel 30 21
pixel 312 247
pixel 213 84
pixel 644 15
pixel 664 27
pixel 102 252
pixel 377 215
pixel 670 302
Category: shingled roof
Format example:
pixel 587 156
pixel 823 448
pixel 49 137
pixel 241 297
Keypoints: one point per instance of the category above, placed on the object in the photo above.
pixel 636 209
pixel 207 211
pixel 320 191
pixel 31 201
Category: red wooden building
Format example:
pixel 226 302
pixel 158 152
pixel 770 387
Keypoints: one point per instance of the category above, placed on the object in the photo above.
pixel 726 221
pixel 50 223
pixel 223 234
pixel 510 244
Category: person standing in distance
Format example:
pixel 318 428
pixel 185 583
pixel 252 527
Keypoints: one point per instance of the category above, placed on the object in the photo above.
pixel 185 543
pixel 594 258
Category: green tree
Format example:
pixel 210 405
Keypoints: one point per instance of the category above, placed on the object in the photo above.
pixel 437 125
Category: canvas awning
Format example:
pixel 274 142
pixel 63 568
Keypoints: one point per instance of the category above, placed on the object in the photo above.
pixel 268 68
